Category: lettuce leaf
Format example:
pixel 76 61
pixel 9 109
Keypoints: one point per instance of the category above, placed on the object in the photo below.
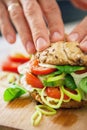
pixel 83 84
pixel 69 69
pixel 69 82
pixel 78 77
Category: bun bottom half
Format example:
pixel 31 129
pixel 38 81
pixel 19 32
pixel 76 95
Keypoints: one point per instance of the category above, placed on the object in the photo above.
pixel 70 104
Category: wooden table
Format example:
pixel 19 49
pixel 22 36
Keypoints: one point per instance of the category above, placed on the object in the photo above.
pixel 17 114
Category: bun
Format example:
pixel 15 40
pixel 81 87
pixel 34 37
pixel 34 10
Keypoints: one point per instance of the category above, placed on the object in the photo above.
pixel 70 104
pixel 63 53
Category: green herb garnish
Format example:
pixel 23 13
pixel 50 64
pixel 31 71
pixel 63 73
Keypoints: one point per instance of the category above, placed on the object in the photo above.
pixel 14 91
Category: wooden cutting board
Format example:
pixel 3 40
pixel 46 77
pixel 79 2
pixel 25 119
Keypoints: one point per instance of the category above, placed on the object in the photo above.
pixel 16 115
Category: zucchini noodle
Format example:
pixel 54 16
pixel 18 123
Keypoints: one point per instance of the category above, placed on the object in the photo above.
pixel 56 106
pixel 50 99
pixel 36 118
pixel 46 110
pixel 66 100
pixel 76 97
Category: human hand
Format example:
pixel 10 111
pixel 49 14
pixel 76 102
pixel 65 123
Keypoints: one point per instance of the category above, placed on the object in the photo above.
pixel 81 4
pixel 79 33
pixel 30 18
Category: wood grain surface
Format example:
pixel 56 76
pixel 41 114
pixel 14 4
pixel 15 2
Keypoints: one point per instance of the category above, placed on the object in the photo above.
pixel 16 115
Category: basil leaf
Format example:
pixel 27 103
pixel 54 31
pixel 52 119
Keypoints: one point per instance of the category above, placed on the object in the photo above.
pixel 69 68
pixel 83 84
pixel 69 82
pixel 14 91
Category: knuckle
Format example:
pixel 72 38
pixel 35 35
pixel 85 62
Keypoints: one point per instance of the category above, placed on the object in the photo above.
pixel 39 33
pixel 16 12
pixel 38 29
pixel 50 8
pixel 30 8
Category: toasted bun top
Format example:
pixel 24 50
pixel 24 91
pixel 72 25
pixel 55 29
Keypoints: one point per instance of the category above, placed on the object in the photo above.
pixel 63 53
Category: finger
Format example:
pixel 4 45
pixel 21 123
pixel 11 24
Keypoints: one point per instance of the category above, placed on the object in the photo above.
pixel 5 25
pixel 38 28
pixel 18 19
pixel 83 44
pixel 81 4
pixel 79 32
pixel 54 19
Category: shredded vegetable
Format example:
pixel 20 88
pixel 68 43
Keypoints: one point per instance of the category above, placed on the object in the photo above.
pixel 76 97
pixel 41 110
pixel 50 99
pixel 56 78
pixel 53 80
pixel 36 118
pixel 66 100
pixel 56 106
pixel 45 110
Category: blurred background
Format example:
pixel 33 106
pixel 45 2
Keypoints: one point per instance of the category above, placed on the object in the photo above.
pixel 69 12
pixel 71 17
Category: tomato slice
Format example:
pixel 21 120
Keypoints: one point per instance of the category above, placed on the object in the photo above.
pixel 38 70
pixel 33 80
pixel 55 93
pixel 18 57
pixel 81 71
pixel 10 66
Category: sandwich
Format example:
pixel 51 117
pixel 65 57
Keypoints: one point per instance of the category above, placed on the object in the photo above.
pixel 57 76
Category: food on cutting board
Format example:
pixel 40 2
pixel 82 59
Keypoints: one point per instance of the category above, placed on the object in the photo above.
pixel 55 77
pixel 9 75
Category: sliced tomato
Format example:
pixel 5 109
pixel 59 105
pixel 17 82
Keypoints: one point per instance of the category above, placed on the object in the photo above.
pixel 10 66
pixel 18 57
pixel 38 70
pixel 55 93
pixel 81 71
pixel 33 80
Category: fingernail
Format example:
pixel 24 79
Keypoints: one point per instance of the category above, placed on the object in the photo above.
pixel 10 38
pixel 41 44
pixel 56 37
pixel 30 47
pixel 83 46
pixel 73 37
